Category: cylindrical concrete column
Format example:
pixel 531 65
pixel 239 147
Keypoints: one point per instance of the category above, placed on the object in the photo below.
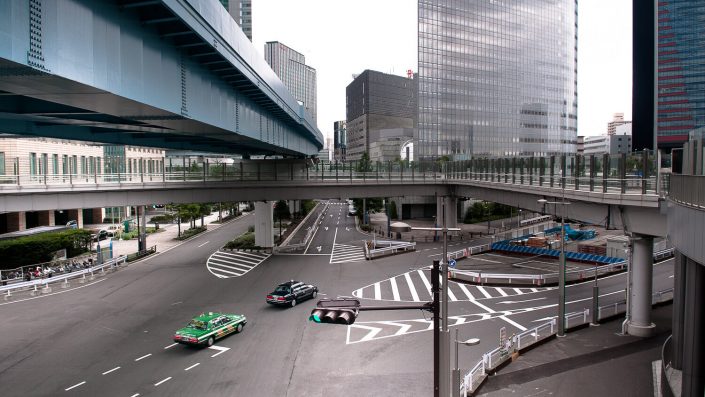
pixel 642 282
pixel 264 224
pixel 677 330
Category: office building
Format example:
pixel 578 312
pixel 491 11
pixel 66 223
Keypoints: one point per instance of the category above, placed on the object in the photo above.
pixel 680 73
pixel 497 78
pixel 617 120
pixel 299 78
pixel 339 140
pixel 378 101
pixel 241 11
pixel 617 143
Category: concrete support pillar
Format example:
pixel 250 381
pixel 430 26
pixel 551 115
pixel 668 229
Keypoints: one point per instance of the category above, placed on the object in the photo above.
pixel 694 330
pixel 46 218
pixel 77 215
pixel 16 221
pixel 642 283
pixel 677 329
pixel 264 224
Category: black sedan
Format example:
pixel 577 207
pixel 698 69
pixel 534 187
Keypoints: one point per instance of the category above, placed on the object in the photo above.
pixel 291 293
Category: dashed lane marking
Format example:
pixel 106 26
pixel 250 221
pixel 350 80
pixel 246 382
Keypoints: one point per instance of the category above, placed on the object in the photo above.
pixel 75 386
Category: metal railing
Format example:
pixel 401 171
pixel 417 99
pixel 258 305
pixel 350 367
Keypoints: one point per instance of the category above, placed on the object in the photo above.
pixel 497 356
pixel 34 285
pixel 392 247
pixel 688 190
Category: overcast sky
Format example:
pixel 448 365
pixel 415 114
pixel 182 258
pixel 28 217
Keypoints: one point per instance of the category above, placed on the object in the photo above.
pixel 341 38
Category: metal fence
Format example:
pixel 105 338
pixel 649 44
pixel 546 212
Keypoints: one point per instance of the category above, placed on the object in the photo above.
pixel 387 248
pixel 688 190
pixel 34 285
pixel 498 356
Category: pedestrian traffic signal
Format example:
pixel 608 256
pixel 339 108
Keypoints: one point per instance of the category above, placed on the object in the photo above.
pixel 335 311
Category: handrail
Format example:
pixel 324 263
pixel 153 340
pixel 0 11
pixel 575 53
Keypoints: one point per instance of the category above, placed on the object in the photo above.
pixel 8 289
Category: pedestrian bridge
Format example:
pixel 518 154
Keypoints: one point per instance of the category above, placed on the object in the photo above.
pixel 175 74
pixel 604 195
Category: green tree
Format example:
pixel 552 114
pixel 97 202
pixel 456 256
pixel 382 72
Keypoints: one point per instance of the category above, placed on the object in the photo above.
pixel 364 165
pixel 281 210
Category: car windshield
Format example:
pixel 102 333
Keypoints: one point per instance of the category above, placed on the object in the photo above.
pixel 282 289
pixel 196 324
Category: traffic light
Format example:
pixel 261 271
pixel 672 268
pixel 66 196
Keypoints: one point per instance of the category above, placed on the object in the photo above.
pixel 335 311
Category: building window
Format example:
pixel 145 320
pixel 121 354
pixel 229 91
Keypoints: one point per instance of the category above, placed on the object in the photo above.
pixel 65 164
pixel 55 164
pixel 33 163
pixel 2 163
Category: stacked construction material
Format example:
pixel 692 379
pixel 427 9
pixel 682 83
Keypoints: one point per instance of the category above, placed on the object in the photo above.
pixel 593 247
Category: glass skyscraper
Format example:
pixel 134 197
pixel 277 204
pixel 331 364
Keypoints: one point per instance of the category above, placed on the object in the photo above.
pixel 681 70
pixel 299 78
pixel 497 78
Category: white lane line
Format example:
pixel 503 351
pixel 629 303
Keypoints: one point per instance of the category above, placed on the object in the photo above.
pixel 514 323
pixel 482 290
pixel 335 236
pixel 395 289
pixel 135 395
pixel 109 371
pixel 501 291
pixel 524 301
pixel 466 291
pixel 170 346
pixel 414 295
pixel 483 307
pixel 378 292
pixel 162 381
pixel 193 366
pixel 76 385
pixel 203 244
pixel 484 260
pixel 426 283
pixel 145 356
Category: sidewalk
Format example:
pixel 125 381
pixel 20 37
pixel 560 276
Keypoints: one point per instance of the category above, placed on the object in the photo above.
pixel 164 239
pixel 593 361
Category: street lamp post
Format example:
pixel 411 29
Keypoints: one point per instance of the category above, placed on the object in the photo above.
pixel 456 370
pixel 561 267
pixel 444 332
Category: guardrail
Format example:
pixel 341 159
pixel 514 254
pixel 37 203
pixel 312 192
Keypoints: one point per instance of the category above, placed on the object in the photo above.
pixel 33 285
pixel 307 238
pixel 496 357
pixel 392 248
pixel 465 252
pixel 548 278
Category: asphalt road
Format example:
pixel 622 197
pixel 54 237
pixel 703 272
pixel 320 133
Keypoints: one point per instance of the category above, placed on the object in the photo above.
pixel 112 337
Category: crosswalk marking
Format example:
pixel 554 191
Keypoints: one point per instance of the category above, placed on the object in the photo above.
pixel 466 291
pixel 482 290
pixel 414 294
pixel 415 286
pixel 234 264
pixel 346 253
pixel 395 289
pixel 426 283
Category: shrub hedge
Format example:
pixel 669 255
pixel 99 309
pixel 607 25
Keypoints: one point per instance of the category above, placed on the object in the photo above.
pixel 39 248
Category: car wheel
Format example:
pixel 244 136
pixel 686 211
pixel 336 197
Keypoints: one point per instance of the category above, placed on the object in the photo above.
pixel 293 302
pixel 210 341
pixel 314 294
pixel 239 328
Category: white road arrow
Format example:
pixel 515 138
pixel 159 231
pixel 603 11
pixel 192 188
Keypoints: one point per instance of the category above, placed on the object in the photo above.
pixel 220 349
pixel 319 248
pixel 347 229
pixel 326 227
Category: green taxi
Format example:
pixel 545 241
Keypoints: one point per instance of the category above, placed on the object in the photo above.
pixel 205 328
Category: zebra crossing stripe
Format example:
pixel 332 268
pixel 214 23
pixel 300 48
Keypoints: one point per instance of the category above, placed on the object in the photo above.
pixel 220 262
pixel 482 290
pixel 233 264
pixel 414 295
pixel 426 283
pixel 378 293
pixel 534 290
pixel 451 295
pixel 518 291
pixel 466 291
pixel 501 291
pixel 395 289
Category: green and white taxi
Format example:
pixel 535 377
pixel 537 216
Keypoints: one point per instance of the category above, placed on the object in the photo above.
pixel 205 328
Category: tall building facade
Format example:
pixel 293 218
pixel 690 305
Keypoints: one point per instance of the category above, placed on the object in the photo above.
pixel 379 107
pixel 299 78
pixel 497 78
pixel 680 71
pixel 241 11
pixel 617 120
pixel 340 141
